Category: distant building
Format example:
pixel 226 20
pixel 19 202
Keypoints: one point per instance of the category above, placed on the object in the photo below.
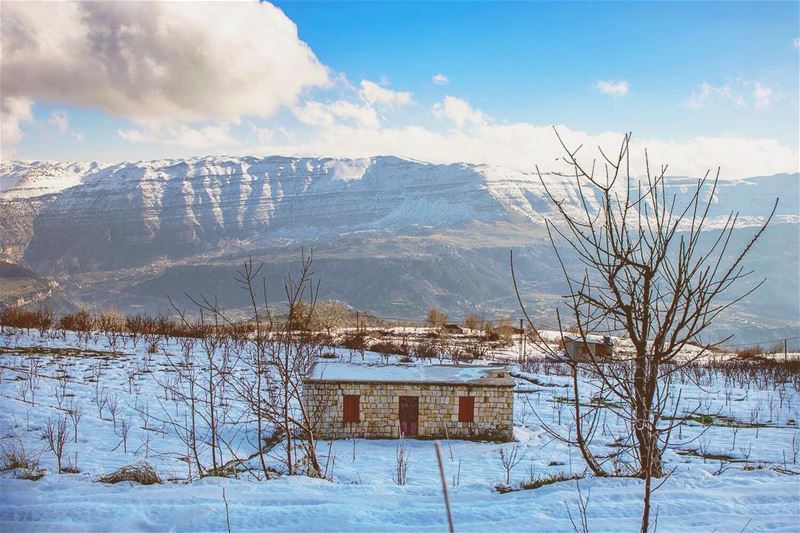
pixel 453 328
pixel 594 347
pixel 434 401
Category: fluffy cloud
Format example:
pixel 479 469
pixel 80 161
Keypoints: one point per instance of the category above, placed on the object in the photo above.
pixel 13 111
pixel 614 89
pixel 327 114
pixel 458 111
pixel 361 109
pixel 440 79
pixel 60 121
pixel 180 135
pixel 157 62
pixel 523 145
pixel 374 94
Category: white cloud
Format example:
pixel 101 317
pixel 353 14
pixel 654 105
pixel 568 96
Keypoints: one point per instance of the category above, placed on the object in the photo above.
pixel 739 93
pixel 440 79
pixel 183 72
pixel 706 93
pixel 374 94
pixel 327 114
pixel 523 145
pixel 78 136
pixel 796 42
pixel 268 135
pixel 458 111
pixel 615 89
pixel 361 109
pixel 181 135
pixel 157 62
pixel 762 96
pixel 60 121
pixel 13 111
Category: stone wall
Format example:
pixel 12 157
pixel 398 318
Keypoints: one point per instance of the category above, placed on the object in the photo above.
pixel 438 410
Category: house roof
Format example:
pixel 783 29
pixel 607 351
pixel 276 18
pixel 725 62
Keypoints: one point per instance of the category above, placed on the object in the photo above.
pixel 590 338
pixel 492 376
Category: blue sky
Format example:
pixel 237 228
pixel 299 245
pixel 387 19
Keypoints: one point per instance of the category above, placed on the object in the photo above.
pixel 705 82
pixel 538 62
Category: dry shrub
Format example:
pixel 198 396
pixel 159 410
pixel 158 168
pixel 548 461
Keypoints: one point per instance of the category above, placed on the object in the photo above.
pixel 45 319
pixel 750 351
pixel 18 318
pixel 142 473
pixel 81 323
pixel 427 350
pixel 26 464
pixel 354 341
pixel 388 348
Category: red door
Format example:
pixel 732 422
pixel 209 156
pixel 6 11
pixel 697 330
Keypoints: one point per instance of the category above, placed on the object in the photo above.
pixel 409 415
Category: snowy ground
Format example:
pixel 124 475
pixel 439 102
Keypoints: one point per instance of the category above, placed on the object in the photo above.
pixel 732 475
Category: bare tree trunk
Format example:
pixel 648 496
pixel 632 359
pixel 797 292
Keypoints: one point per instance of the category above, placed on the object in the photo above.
pixel 638 269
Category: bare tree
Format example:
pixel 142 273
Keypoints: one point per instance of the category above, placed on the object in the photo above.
pixel 279 356
pixel 646 273
pixel 436 317
pixel 33 377
pixel 403 460
pixel 75 412
pixel 509 458
pixel 473 322
pixel 112 325
pixel 329 315
pixel 113 408
pixel 56 434
pixel 122 433
pixel 44 320
pixel 196 387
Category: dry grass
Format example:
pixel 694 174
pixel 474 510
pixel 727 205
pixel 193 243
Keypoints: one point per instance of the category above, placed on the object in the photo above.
pixel 142 473
pixel 26 464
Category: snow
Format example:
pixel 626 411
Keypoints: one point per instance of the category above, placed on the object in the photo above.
pixel 754 501
pixel 337 196
pixel 756 491
pixel 31 179
pixel 378 373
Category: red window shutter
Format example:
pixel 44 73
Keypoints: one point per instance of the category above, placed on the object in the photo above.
pixel 466 409
pixel 351 407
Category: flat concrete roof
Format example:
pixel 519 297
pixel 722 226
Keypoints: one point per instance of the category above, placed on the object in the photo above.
pixel 491 376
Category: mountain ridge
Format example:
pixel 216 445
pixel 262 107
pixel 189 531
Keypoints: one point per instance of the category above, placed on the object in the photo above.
pixel 108 233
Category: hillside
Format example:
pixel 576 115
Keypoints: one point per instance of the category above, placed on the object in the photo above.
pixel 391 236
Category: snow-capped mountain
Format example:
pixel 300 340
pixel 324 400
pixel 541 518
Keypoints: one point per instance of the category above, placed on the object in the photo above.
pixel 203 200
pixel 198 199
pixel 445 229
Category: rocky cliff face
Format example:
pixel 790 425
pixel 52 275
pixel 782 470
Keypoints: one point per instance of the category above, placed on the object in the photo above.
pixel 428 234
pixel 85 217
pixel 130 213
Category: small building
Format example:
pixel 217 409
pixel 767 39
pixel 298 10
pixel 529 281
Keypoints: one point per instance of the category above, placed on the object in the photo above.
pixel 434 401
pixel 453 329
pixel 590 347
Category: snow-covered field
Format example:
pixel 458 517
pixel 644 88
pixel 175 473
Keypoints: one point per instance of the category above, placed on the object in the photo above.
pixel 734 469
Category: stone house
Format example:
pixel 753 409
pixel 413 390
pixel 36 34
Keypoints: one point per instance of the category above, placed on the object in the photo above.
pixel 585 349
pixel 433 401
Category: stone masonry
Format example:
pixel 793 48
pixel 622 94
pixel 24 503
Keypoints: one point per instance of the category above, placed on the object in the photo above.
pixel 438 414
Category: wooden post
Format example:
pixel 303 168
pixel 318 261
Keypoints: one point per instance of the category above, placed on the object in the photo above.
pixel 444 487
